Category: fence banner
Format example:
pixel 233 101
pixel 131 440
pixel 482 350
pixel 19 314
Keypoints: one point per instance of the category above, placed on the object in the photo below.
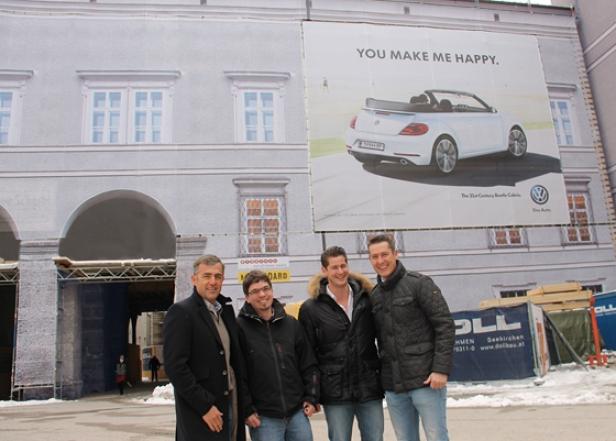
pixel 605 308
pixel 493 344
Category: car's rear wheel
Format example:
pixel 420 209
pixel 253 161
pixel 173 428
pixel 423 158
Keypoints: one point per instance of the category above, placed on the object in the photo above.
pixel 518 143
pixel 445 154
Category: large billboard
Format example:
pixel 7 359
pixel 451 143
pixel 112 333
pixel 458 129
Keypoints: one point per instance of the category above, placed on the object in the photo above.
pixel 423 128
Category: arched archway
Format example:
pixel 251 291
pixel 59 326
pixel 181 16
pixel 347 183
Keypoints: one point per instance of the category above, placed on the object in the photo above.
pixel 9 243
pixel 9 251
pixel 120 224
pixel 117 225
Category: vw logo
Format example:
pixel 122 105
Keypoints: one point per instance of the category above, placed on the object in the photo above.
pixel 377 122
pixel 539 194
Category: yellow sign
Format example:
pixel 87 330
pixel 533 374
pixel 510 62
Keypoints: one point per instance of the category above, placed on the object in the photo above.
pixel 275 275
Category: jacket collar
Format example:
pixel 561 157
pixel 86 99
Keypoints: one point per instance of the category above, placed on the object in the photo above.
pixel 249 312
pixel 391 282
pixel 205 314
pixel 354 284
pixel 223 300
pixel 318 283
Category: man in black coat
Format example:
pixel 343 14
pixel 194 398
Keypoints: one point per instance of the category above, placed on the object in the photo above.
pixel 338 322
pixel 416 335
pixel 282 373
pixel 203 359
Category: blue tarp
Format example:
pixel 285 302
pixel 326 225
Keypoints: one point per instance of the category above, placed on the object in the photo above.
pixel 605 309
pixel 493 344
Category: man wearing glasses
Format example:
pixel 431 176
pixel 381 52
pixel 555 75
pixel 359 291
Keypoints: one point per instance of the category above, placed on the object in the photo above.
pixel 281 369
pixel 203 358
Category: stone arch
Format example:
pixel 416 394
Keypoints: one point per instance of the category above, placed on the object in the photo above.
pixel 120 224
pixel 9 237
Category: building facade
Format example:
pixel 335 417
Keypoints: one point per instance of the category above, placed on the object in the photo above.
pixel 598 37
pixel 137 136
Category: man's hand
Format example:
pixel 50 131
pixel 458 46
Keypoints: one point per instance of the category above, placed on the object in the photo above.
pixel 213 419
pixel 309 409
pixel 253 421
pixel 436 380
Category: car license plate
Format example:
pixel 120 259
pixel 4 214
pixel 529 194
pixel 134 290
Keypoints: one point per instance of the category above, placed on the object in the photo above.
pixel 371 145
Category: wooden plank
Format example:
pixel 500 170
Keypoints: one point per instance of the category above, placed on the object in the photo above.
pixel 510 301
pixel 565 306
pixel 566 300
pixel 561 297
pixel 555 288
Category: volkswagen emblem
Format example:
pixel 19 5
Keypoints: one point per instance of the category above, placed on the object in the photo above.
pixel 377 122
pixel 539 194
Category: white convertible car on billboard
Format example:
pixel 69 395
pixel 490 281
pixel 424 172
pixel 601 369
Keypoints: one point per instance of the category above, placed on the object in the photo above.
pixel 437 127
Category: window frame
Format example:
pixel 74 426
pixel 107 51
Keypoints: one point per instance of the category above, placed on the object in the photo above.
pixel 592 285
pixel 498 290
pixel 262 189
pixel 129 84
pixel 14 81
pixel 492 233
pixel 579 186
pixel 243 82
pixel 564 93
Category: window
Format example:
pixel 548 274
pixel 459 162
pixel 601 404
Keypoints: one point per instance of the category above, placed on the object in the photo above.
pixel 563 112
pixel 508 293
pixel 561 117
pixel 258 116
pixel 148 116
pixel 579 230
pixel 595 288
pixel 6 99
pixel 106 114
pixel 259 106
pixel 507 237
pixel 263 229
pixel 364 238
pixel 128 107
pixel 12 87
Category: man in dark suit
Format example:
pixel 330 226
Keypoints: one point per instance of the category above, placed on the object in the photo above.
pixel 203 359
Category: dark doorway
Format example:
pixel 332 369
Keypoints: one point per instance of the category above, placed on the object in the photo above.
pixel 7 338
pixel 115 232
pixel 107 310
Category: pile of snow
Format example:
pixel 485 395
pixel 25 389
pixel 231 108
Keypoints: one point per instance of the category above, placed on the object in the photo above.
pixel 161 395
pixel 11 403
pixel 563 385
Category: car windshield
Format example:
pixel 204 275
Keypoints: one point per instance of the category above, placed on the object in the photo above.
pixel 455 102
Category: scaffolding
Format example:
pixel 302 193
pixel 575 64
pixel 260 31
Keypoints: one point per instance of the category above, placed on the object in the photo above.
pixel 115 270
pixel 101 271
pixel 9 273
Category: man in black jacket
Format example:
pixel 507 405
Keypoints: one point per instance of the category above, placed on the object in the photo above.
pixel 281 369
pixel 338 323
pixel 203 359
pixel 416 336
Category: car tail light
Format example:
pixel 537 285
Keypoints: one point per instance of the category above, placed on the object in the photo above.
pixel 415 129
pixel 353 121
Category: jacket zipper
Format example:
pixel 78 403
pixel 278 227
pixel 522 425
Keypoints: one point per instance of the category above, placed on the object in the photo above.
pixel 277 368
